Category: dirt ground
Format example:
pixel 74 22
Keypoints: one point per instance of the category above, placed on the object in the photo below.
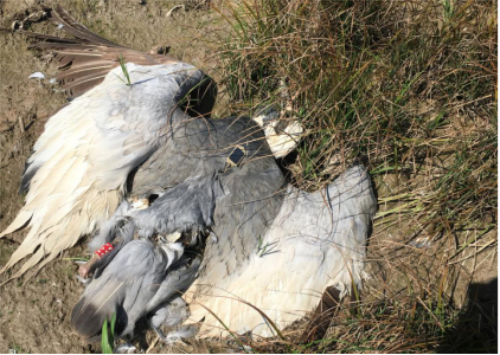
pixel 34 318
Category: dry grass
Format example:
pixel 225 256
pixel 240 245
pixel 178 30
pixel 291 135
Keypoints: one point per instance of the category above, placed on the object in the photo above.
pixel 409 89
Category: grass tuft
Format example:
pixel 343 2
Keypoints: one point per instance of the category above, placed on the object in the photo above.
pixel 409 90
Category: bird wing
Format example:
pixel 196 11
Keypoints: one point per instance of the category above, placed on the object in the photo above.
pixel 317 239
pixel 183 208
pixel 86 60
pixel 178 279
pixel 199 148
pixel 192 162
pixel 241 218
pixel 131 279
pixel 81 163
pixel 250 198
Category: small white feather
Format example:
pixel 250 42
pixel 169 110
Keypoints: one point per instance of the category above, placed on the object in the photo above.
pixel 37 75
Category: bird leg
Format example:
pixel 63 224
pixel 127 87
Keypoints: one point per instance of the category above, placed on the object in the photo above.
pixel 322 316
pixel 85 269
pixel 133 203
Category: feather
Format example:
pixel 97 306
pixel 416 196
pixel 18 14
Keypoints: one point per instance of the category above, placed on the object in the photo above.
pixel 19 222
pixel 316 239
pixel 81 166
pixel 141 281
pixel 115 288
pixel 89 313
pixel 72 27
pixel 87 50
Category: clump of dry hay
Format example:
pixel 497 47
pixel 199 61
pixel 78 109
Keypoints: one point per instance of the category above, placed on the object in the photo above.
pixel 409 89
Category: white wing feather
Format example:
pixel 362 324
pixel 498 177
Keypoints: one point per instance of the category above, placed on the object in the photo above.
pixel 82 160
pixel 312 245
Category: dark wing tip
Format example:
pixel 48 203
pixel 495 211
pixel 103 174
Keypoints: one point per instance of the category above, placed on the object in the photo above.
pixel 85 320
pixel 74 28
pixel 29 172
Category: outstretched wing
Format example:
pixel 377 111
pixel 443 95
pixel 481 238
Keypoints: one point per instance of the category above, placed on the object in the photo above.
pixel 86 60
pixel 81 162
pixel 77 175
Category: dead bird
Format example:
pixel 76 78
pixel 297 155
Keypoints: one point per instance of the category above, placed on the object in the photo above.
pixel 127 135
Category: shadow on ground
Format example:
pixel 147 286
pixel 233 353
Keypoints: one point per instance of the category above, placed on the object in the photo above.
pixel 476 330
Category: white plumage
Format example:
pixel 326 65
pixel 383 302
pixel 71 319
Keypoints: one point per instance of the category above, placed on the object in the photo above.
pixel 82 160
pixel 318 239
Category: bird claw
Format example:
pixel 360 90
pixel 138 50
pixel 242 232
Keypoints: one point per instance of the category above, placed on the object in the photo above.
pixel 84 270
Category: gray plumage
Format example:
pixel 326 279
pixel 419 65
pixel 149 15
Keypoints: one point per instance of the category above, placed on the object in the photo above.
pixel 137 284
pixel 252 188
pixel 187 207
pixel 249 206
pixel 196 148
pixel 281 258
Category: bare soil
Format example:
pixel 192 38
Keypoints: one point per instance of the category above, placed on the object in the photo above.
pixel 34 318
